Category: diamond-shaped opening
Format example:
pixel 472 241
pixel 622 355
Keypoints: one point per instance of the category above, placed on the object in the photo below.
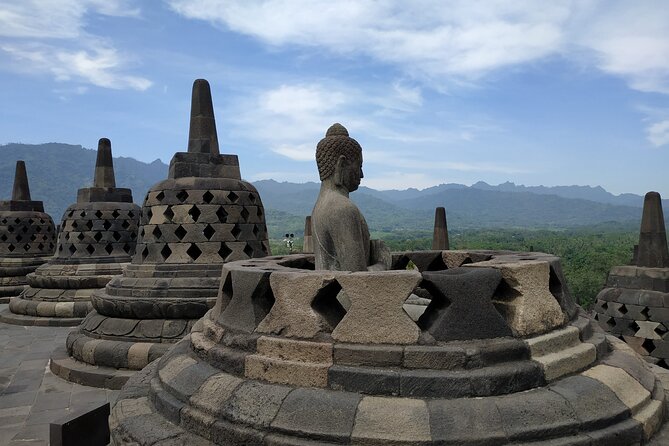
pixel 236 230
pixel 72 249
pixel 660 330
pixel 623 309
pixel 180 232
pixel 194 213
pixel 38 229
pixel 115 214
pixel 11 247
pixel 133 235
pixel 209 232
pixel 193 251
pixel 224 251
pixel 51 246
pixel 107 224
pixel 98 213
pixel 233 197
pixel 663 363
pixel 248 250
pixel 438 301
pixel 24 229
pixel 82 214
pixel 160 195
pixel 17 221
pixel 252 198
pixel 166 252
pixel 109 248
pixel 648 346
pixel 31 221
pixel 256 230
pixel 67 236
pixel 91 249
pixel 611 322
pixel 81 236
pixel 149 214
pixel 222 215
pixel 3 237
pixel 116 235
pixel 10 228
pixel 504 292
pixel 646 312
pixel 71 213
pixel 182 196
pixel 168 213
pixel 26 247
pixel 19 237
pixel 328 306
pixel 157 233
pixel 41 247
pixel 33 238
pixel 127 248
pixel 605 305
pixel 4 221
pixel 207 197
pixel 125 224
pixel 145 253
pixel 98 236
pixel 244 214
pixel 634 326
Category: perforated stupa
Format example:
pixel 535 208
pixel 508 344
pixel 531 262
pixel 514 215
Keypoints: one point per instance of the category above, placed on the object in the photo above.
pixel 202 216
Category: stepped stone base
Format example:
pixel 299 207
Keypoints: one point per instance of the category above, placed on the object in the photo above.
pixel 78 372
pixel 21 319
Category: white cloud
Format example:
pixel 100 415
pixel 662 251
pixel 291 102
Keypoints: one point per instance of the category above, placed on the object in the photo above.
pixel 50 36
pixel 658 133
pixel 460 41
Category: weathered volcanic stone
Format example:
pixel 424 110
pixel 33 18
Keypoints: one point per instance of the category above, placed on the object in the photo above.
pixel 652 251
pixel 524 298
pixel 461 306
pixel 97 238
pixel 376 315
pixel 27 236
pixel 200 217
pixel 308 244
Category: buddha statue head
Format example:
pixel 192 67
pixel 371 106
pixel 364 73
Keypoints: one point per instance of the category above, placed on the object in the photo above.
pixel 339 158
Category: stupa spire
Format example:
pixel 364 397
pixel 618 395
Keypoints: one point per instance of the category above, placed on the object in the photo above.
pixel 440 235
pixel 202 136
pixel 104 165
pixel 652 252
pixel 21 190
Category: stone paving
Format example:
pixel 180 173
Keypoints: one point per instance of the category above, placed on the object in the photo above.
pixel 30 395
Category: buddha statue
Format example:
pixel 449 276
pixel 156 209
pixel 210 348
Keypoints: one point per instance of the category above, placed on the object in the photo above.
pixel 341 235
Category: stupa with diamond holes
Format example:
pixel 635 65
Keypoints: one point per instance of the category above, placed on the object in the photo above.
pixel 27 236
pixel 501 355
pixel 202 216
pixel 634 304
pixel 97 238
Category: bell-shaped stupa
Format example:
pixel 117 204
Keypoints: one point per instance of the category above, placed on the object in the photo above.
pixel 634 304
pixel 97 239
pixel 27 236
pixel 202 216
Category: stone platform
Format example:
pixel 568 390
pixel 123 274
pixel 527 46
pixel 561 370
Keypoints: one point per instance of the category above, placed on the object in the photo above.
pixel 501 355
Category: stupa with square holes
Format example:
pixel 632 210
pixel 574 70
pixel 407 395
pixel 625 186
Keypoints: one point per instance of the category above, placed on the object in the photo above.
pixel 502 355
pixel 27 236
pixel 202 216
pixel 97 238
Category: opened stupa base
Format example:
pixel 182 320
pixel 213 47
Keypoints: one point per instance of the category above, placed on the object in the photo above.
pixel 278 361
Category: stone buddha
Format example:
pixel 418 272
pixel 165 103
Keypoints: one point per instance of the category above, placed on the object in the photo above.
pixel 341 235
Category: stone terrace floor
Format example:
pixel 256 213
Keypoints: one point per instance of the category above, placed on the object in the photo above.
pixel 30 395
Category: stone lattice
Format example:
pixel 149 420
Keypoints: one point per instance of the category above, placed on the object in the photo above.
pixel 97 238
pixel 27 237
pixel 200 217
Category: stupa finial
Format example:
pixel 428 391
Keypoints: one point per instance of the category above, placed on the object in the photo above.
pixel 440 235
pixel 202 136
pixel 104 165
pixel 652 252
pixel 21 190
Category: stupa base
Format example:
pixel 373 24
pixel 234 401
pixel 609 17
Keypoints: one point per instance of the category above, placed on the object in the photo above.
pixel 7 292
pixel 79 372
pixel 39 321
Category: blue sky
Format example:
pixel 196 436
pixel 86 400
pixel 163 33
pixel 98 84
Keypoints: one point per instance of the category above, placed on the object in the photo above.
pixel 552 93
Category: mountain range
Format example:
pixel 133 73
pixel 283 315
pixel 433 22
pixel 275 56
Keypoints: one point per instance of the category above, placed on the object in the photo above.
pixel 56 171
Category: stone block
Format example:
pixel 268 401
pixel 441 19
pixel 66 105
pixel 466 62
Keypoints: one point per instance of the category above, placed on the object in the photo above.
pixel 293 313
pixel 465 421
pixel 314 412
pixel 295 373
pixel 372 381
pixel 86 427
pixel 376 315
pixel 251 300
pixel 461 307
pixel 292 350
pixel 391 420
pixel 447 357
pixel 627 389
pixel 370 355
pixel 525 299
pixel 255 403
pixel 214 392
